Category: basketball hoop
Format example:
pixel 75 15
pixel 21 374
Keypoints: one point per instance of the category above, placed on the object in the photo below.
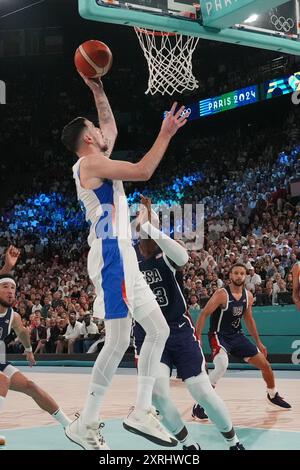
pixel 169 57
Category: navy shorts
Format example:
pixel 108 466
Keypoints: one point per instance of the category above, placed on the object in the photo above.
pixel 182 350
pixel 236 344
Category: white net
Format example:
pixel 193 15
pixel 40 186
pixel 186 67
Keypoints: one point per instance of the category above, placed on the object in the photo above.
pixel 169 57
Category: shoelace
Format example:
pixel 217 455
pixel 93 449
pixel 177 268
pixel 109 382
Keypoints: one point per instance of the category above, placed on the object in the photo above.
pixel 91 439
pixel 96 438
pixel 101 438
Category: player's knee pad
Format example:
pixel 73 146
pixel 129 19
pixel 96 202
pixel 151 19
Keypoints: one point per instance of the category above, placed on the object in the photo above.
pixel 199 387
pixel 221 364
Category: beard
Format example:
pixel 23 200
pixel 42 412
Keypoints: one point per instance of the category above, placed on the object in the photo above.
pixel 238 283
pixel 5 304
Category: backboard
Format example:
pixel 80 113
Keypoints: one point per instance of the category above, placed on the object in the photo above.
pixel 266 24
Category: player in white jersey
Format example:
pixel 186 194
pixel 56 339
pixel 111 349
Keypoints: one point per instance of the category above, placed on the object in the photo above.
pixel 296 284
pixel 112 265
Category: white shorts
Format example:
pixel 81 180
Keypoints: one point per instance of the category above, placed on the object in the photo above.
pixel 120 286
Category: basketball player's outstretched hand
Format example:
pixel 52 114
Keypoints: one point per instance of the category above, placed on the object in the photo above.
pixel 11 256
pixel 173 121
pixel 95 84
pixel 30 359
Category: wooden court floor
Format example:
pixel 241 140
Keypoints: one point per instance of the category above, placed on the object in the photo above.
pixel 244 396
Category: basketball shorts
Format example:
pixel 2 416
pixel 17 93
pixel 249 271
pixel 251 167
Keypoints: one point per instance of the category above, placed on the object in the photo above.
pixel 120 286
pixel 182 350
pixel 236 344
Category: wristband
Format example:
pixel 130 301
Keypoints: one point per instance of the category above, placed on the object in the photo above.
pixel 28 349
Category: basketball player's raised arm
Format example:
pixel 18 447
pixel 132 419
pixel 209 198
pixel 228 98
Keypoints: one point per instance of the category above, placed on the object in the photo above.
pixel 144 169
pixel 23 335
pixel 106 118
pixel 251 325
pixel 11 257
pixel 174 250
pixel 217 300
pixel 296 285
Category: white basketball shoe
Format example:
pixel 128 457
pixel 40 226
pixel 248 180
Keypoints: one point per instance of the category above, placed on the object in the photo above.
pixel 147 424
pixel 88 437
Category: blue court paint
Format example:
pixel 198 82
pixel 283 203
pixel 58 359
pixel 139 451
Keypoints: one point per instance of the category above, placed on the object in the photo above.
pixel 53 438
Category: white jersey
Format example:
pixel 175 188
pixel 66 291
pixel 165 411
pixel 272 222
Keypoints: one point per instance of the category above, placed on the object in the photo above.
pixel 106 208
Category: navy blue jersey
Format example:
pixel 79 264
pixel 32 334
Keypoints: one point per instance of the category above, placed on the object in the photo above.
pixel 228 320
pixel 165 282
pixel 5 323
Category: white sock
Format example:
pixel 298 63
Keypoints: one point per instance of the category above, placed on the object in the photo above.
pixel 144 392
pixel 2 399
pixel 188 441
pixel 60 416
pixel 93 404
pixel 272 392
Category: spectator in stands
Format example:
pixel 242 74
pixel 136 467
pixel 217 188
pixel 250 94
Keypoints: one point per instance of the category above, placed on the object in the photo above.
pixel 36 305
pixel 252 279
pixel 66 341
pixel 194 307
pixel 278 287
pixel 88 333
pixel 38 333
pixel 53 333
pixel 47 305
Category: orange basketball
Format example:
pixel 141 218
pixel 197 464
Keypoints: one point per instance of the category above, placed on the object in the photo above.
pixel 93 58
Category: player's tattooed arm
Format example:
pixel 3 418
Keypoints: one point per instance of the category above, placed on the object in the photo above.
pixel 106 118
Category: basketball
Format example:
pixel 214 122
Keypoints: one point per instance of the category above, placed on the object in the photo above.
pixel 2 441
pixel 93 59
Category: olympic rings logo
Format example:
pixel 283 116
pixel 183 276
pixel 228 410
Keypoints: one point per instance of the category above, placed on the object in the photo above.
pixel 282 24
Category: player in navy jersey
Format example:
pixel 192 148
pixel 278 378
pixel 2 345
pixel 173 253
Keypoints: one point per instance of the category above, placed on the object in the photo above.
pixel 10 377
pixel 226 308
pixel 11 257
pixel 161 260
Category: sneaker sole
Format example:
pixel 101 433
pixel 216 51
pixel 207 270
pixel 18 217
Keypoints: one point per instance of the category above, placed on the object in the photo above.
pixel 72 440
pixel 151 438
pixel 195 418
